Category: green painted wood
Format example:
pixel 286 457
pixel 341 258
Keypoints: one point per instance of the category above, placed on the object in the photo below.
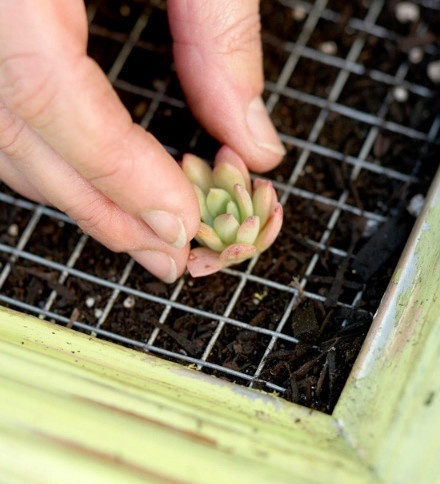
pixel 101 405
pixel 390 407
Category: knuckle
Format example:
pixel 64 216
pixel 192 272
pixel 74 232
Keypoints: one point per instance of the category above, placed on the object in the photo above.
pixel 240 36
pixel 113 162
pixel 100 219
pixel 26 84
pixel 115 172
pixel 11 129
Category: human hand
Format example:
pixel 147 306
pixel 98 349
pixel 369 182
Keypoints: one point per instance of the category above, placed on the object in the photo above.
pixel 67 140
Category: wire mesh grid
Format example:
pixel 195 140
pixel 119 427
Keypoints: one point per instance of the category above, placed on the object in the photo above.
pixel 358 121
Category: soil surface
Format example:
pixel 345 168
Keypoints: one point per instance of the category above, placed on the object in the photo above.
pixel 321 282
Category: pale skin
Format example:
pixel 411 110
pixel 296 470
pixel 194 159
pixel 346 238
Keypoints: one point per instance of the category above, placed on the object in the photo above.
pixel 66 140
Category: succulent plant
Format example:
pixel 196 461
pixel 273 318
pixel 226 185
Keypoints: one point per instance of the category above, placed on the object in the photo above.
pixel 236 220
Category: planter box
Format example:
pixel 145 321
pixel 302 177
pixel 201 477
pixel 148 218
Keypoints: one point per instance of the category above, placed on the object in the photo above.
pixel 77 409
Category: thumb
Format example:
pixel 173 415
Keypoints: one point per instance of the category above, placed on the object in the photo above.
pixel 218 56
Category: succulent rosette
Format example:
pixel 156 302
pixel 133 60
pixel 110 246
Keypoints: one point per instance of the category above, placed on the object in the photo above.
pixel 237 220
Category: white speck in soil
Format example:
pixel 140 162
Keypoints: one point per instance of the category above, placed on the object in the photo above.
pixel 407 12
pixel 13 230
pixel 369 228
pixel 434 71
pixel 98 313
pixel 416 55
pixel 128 302
pixel 416 204
pixel 329 48
pixel 90 302
pixel 299 13
pixel 400 94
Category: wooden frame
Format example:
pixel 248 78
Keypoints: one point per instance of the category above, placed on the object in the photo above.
pixel 77 409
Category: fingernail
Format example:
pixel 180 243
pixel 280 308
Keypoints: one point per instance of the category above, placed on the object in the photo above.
pixel 262 129
pixel 158 263
pixel 167 227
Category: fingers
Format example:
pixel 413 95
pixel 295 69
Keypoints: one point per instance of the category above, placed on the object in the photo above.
pixel 11 176
pixel 218 57
pixel 72 143
pixel 69 102
pixel 65 188
pixel 76 146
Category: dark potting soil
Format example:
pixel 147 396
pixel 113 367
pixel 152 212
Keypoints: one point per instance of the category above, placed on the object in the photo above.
pixel 328 324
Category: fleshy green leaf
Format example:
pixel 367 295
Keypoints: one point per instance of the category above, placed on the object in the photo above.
pixel 207 236
pixel 204 212
pixel 226 176
pixel 198 172
pixel 244 202
pixel 232 209
pixel 226 226
pixel 217 201
pixel 248 231
pixel 263 199
pixel 226 155
pixel 271 230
